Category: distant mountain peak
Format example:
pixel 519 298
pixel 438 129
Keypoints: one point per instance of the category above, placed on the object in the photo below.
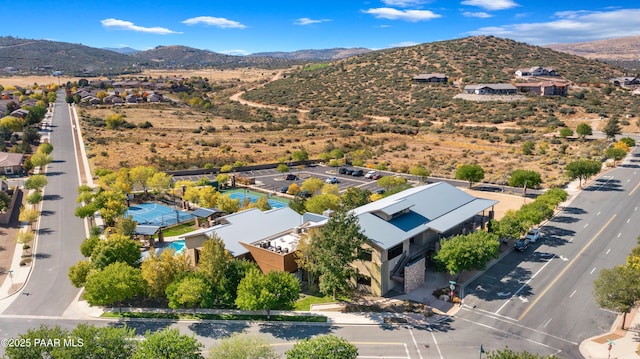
pixel 122 50
pixel 310 54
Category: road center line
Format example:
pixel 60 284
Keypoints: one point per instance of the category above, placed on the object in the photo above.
pixel 608 250
pixel 574 292
pixel 619 234
pixel 634 189
pixel 547 323
pixel 593 270
pixel 628 220
pixel 525 284
pixel 535 301
pixel 586 225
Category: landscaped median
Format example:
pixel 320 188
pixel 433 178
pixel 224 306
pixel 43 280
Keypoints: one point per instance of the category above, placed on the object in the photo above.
pixel 214 314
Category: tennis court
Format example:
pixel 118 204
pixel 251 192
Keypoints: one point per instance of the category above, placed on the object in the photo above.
pixel 157 214
pixel 253 197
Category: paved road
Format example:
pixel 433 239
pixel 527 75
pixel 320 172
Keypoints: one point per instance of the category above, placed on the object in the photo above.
pixel 545 293
pixel 49 291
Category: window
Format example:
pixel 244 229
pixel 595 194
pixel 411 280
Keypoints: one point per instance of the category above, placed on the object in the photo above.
pixel 394 252
pixel 363 279
pixel 364 254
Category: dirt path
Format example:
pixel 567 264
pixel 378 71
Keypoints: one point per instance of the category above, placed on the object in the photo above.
pixel 238 97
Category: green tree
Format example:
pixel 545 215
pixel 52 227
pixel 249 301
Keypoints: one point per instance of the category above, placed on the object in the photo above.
pixel 509 226
pixel 275 290
pixel 336 248
pixel 190 291
pixel 25 238
pixel 140 175
pixel 159 271
pixel 233 274
pixel 11 123
pixel 115 283
pixel 126 226
pixel 528 147
pixel 323 347
pixel 88 245
pixel 45 148
pixel 5 201
pixel 612 128
pixel 298 204
pixel 419 171
pixel 34 198
pixel 468 252
pixel 617 289
pixel 525 179
pixel 470 172
pixel 222 179
pixel 243 346
pixel 306 258
pixel 78 273
pixel 393 184
pixel 116 248
pixel 262 203
pixel 28 215
pixel 99 343
pixel 41 159
pixel 583 130
pixel 616 154
pixel 312 185
pixel 282 168
pixel 111 205
pixel 160 182
pixel 630 142
pixel 37 351
pixel 36 182
pixel 228 204
pixel 583 169
pixel 355 197
pixel 565 132
pixel 320 203
pixel 299 155
pixel 213 259
pixel 168 343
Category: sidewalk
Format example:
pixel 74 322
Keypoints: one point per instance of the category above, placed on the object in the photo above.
pixel 624 343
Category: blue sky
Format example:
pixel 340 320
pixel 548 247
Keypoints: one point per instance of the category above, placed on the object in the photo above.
pixel 242 27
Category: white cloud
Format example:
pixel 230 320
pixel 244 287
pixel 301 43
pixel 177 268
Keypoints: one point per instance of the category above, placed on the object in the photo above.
pixel 403 3
pixel 406 15
pixel 404 44
pixel 307 21
pixel 235 52
pixel 479 14
pixel 214 21
pixel 572 26
pixel 128 25
pixel 491 4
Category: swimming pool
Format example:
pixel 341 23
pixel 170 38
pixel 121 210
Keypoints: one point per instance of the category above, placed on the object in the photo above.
pixel 241 196
pixel 157 214
pixel 178 246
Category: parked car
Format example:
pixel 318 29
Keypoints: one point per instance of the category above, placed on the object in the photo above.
pixel 533 235
pixel 380 191
pixel 376 176
pixel 349 171
pixel 357 173
pixel 342 170
pixel 332 180
pixel 370 174
pixel 304 194
pixel 284 189
pixel 291 177
pixel 521 245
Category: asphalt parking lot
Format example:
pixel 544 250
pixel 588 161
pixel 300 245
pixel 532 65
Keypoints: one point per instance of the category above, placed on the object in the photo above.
pixel 272 181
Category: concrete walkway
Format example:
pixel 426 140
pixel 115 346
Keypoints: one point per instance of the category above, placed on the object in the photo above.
pixel 623 342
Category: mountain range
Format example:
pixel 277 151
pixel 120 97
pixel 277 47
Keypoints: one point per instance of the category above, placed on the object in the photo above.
pixel 28 56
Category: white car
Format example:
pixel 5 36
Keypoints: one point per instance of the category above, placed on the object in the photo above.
pixel 533 235
pixel 332 180
pixel 370 174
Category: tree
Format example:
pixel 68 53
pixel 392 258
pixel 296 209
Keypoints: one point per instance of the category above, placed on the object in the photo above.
pixel 612 128
pixel 222 179
pixel 111 205
pixel 306 257
pixel 126 226
pixel 160 182
pixel 243 346
pixel 282 168
pixel 113 284
pixel 312 185
pixel 11 123
pixel 354 197
pixel 214 259
pixel 470 172
pixel 617 289
pixel 336 248
pixel 78 273
pixel 468 252
pixel 323 347
pixel 528 147
pixel 140 175
pixel 190 291
pixel 209 197
pixel 616 154
pixel 159 271
pixel 168 343
pixel 233 274
pixel 629 141
pixel 293 189
pixel 583 130
pixel 566 132
pixel 393 184
pixel 99 343
pixel 298 204
pixel 116 248
pixel 582 169
pixel 28 215
pixel 262 203
pixel 320 203
pixel 525 179
pixel 509 226
pixel 275 290
pixel 37 351
pixel 419 171
pixel 228 204
pixel 36 182
pixel 299 155
pixel 25 238
pixel 41 159
pixel 34 198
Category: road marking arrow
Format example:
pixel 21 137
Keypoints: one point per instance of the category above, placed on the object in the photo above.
pixel 563 258
pixel 523 299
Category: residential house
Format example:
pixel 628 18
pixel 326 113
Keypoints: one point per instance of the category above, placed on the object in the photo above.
pixel 430 78
pixel 91 100
pixel 544 88
pixel 270 238
pixel 20 113
pixel 536 71
pixel 11 163
pixel 404 228
pixel 491 89
pixel 113 100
